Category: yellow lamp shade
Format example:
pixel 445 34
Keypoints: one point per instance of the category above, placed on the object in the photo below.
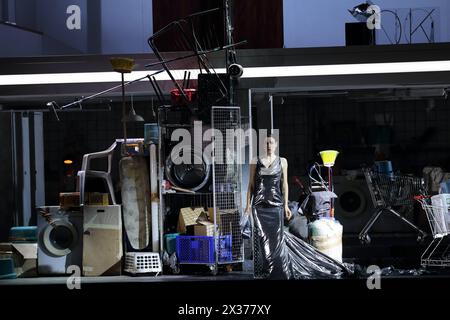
pixel 328 157
pixel 123 65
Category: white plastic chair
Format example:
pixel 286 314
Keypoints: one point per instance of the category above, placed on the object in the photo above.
pixel 106 175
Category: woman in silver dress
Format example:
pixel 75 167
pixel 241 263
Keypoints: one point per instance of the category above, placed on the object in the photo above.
pixel 277 253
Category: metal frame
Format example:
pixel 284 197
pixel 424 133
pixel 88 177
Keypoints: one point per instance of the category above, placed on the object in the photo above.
pixel 388 191
pixel 182 199
pixel 437 254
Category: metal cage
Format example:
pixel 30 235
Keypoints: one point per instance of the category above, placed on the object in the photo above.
pixel 226 162
pixel 224 193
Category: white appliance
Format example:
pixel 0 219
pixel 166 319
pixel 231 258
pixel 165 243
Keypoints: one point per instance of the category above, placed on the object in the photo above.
pixel 353 205
pixel 60 240
pixel 102 240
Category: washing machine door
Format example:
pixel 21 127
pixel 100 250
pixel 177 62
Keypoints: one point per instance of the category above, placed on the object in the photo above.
pixel 59 238
pixel 353 206
pixel 351 202
pixel 194 175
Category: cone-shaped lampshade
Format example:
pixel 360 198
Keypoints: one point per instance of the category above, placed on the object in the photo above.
pixel 328 157
pixel 132 116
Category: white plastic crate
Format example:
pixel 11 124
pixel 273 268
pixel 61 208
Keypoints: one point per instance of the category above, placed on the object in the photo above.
pixel 142 262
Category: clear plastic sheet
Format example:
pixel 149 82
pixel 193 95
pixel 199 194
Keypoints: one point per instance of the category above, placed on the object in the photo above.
pixel 281 255
pixel 392 272
pixel 246 227
pixel 270 252
pixel 307 262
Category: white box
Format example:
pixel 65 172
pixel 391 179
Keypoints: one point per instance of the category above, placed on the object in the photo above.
pixel 102 240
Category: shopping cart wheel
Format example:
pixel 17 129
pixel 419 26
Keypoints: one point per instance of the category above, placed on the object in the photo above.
pixel 176 269
pixel 420 237
pixel 213 270
pixel 365 239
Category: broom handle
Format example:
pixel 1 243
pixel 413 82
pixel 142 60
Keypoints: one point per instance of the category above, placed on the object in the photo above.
pixel 330 188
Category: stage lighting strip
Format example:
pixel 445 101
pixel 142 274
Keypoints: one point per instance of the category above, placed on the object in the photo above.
pixel 252 72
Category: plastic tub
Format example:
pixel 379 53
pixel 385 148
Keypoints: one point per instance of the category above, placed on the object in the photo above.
pixel 7 269
pixel 170 242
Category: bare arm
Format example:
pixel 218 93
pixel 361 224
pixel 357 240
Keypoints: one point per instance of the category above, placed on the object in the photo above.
pixel 285 188
pixel 251 185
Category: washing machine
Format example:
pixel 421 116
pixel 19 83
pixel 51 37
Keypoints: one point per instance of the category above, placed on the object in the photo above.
pixel 353 206
pixel 60 240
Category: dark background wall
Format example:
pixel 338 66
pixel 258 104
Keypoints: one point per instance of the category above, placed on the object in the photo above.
pixel 419 136
pixel 6 177
pixel 258 22
pixel 79 133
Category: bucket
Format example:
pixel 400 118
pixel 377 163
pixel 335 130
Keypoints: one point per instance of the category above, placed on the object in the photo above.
pixel 328 157
pixel 7 268
pixel 326 236
pixel 151 133
pixel 384 167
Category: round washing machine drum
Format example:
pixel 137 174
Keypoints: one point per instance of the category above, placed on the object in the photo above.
pixel 59 238
pixel 193 174
pixel 351 202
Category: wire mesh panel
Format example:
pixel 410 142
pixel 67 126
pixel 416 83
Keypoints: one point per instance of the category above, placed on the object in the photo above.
pixel 437 218
pixel 226 162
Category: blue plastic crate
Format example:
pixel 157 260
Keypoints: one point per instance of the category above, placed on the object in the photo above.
pixel 200 249
pixel 225 248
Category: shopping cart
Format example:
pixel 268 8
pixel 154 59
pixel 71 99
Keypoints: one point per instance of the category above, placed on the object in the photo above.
pixel 438 252
pixel 393 194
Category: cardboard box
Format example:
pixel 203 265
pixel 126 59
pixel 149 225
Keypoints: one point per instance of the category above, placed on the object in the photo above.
pixel 188 217
pixel 102 240
pixel 211 216
pixel 24 256
pixel 204 228
pixel 220 212
pixel 69 200
pixel 97 199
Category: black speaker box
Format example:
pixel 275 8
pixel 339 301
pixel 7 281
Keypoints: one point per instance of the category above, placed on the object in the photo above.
pixel 357 33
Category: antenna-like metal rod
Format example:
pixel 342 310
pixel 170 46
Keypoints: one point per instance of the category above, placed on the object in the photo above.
pixel 108 90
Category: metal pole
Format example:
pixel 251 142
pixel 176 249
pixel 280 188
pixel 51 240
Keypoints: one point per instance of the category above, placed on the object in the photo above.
pixel 271 112
pixel 124 115
pixel 229 53
pixel 410 26
pixel 78 102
